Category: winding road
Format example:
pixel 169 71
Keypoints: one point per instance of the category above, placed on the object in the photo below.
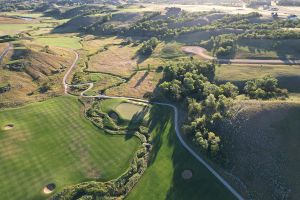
pixel 201 52
pixel 177 129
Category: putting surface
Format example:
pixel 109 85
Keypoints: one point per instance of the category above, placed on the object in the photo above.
pixel 52 142
pixel 128 110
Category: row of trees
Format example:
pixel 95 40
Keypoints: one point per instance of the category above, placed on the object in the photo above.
pixel 206 102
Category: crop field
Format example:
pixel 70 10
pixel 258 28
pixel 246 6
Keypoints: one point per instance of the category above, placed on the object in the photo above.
pixel 138 86
pixel 52 142
pixel 71 42
pixel 288 75
pixel 263 148
pixel 164 179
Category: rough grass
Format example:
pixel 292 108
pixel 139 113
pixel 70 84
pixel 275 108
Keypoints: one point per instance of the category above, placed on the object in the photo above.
pixel 262 150
pixel 102 81
pixel 118 60
pixel 92 45
pixel 52 142
pixel 40 67
pixel 171 50
pixel 268 49
pixel 289 76
pixel 163 180
pixel 71 42
pixel 141 83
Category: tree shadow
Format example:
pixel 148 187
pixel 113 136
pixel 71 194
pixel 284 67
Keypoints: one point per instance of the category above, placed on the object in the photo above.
pixel 136 121
pixel 141 80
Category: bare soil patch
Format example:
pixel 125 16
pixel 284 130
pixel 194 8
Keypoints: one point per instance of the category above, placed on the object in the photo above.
pixel 8 127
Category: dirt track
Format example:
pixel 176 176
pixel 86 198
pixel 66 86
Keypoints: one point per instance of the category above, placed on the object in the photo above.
pixel 201 52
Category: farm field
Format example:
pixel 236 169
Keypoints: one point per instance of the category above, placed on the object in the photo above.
pixel 264 141
pixel 164 177
pixel 50 142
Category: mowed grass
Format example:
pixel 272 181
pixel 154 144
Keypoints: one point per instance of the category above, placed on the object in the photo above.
pixel 128 110
pixel 52 142
pixel 72 42
pixel 288 75
pixel 162 180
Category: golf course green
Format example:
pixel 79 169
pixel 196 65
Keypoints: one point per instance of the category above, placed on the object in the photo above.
pixel 52 142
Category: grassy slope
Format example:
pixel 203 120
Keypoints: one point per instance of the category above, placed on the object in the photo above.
pixel 288 129
pixel 289 76
pixel 268 49
pixel 162 180
pixel 53 142
pixel 263 142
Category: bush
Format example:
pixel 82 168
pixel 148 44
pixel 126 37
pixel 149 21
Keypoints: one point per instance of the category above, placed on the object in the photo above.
pixel 148 47
pixel 264 88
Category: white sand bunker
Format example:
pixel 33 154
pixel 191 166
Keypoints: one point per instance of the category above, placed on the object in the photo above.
pixel 187 174
pixel 49 188
pixel 8 127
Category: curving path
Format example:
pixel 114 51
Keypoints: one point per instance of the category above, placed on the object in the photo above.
pixel 69 71
pixel 6 50
pixel 201 52
pixel 177 129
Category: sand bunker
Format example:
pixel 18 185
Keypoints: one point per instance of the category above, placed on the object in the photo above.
pixel 187 174
pixel 49 188
pixel 8 127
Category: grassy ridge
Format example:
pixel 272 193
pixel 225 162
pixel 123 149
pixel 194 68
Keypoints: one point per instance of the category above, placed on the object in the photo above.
pixel 162 180
pixel 52 142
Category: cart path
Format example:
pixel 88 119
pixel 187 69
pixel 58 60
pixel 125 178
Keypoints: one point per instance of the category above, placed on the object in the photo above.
pixel 176 122
pixel 202 52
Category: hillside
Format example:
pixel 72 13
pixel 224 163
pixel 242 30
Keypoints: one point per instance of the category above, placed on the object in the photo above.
pixel 261 149
pixel 33 72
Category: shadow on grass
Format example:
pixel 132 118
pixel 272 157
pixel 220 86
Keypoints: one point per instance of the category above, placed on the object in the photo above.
pixel 136 121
